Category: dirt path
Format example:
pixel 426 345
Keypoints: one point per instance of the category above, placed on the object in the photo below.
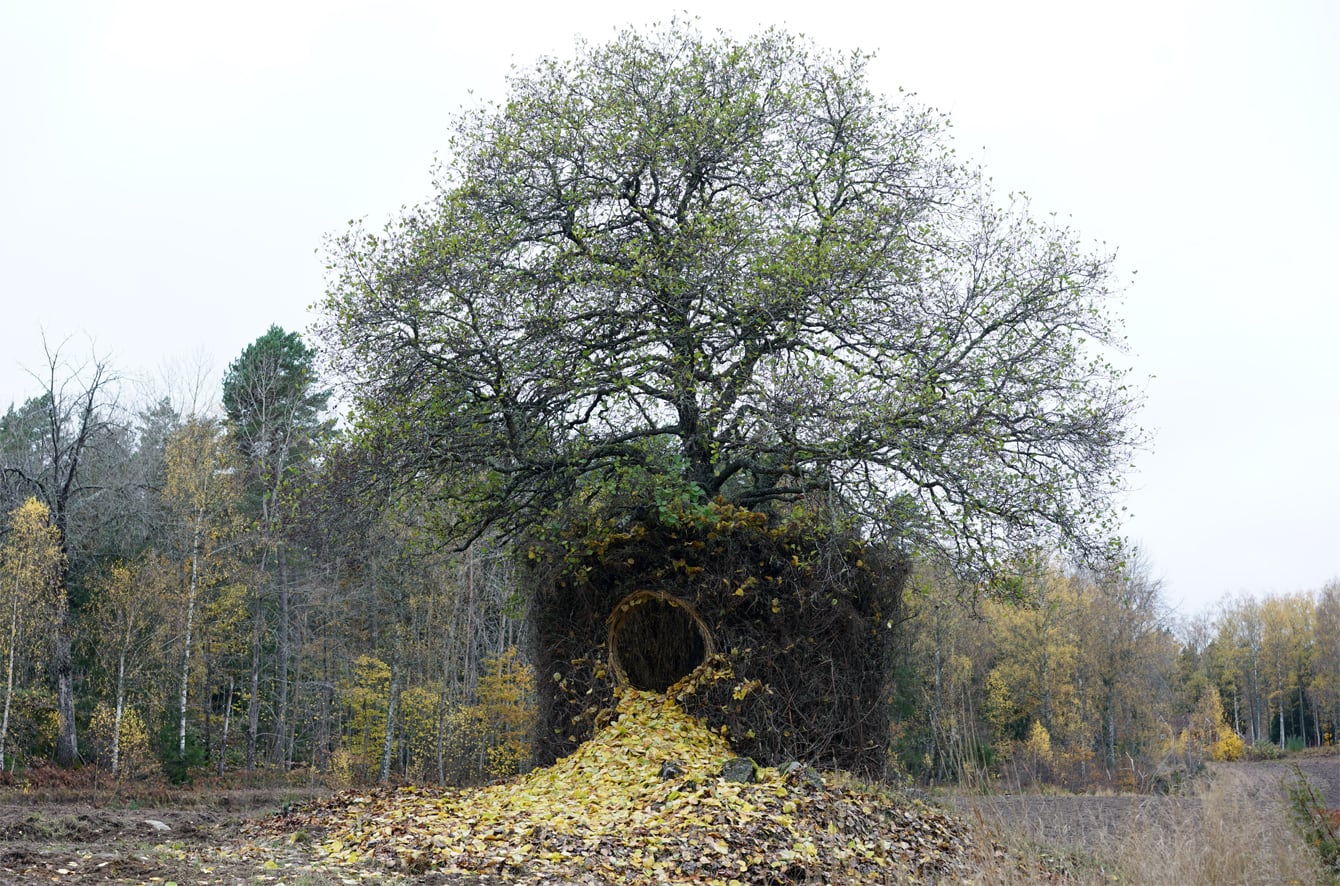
pixel 193 838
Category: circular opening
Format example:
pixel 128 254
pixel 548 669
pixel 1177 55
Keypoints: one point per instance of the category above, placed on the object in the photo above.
pixel 655 640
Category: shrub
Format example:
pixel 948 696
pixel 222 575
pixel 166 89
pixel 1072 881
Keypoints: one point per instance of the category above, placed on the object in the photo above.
pixel 1264 750
pixel 1229 748
pixel 134 756
pixel 1315 822
pixel 176 765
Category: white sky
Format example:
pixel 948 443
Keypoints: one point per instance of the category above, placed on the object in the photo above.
pixel 168 171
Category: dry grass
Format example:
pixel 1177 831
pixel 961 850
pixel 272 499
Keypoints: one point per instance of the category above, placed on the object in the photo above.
pixel 1231 828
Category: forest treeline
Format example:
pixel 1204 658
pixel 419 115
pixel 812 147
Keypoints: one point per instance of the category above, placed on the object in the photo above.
pixel 1090 679
pixel 190 590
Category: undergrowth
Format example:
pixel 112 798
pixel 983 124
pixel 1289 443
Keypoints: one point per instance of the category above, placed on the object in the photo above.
pixel 1319 825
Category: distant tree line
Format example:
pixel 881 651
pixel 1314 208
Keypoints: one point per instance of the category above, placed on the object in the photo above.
pixel 185 590
pixel 1088 679
pixel 193 589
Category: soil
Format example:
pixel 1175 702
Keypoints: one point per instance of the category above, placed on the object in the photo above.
pixel 100 836
pixel 208 836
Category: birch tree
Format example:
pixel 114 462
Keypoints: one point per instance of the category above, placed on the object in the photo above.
pixel 30 569
pixel 201 492
pixel 129 614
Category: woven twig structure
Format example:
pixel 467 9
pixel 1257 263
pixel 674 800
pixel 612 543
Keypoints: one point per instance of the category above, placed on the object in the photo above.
pixel 781 635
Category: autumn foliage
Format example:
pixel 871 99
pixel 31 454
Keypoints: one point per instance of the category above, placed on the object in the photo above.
pixel 645 801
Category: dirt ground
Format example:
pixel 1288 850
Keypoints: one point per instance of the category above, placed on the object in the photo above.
pixel 207 836
pixel 167 837
pixel 178 837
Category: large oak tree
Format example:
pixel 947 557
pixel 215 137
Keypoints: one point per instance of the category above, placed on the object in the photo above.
pixel 690 265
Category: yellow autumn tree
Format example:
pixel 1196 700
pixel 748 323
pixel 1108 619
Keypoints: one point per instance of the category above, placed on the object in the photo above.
pixel 365 695
pixel 129 611
pixel 492 737
pixel 30 562
pixel 1207 734
pixel 420 719
pixel 507 701
pixel 1037 659
pixel 1035 752
pixel 122 729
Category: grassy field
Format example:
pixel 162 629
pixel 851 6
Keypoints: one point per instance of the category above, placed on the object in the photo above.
pixel 1231 826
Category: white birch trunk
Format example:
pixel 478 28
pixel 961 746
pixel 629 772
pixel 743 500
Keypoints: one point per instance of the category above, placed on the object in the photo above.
pixel 9 674
pixel 192 585
pixel 120 712
pixel 388 739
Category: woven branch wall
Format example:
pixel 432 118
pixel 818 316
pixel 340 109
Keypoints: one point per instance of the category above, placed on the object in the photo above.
pixel 781 634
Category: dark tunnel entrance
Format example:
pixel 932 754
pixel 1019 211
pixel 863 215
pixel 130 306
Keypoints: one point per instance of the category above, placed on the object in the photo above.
pixel 655 640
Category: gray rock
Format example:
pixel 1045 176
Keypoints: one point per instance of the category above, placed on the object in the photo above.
pixel 796 772
pixel 740 769
pixel 671 769
pixel 157 825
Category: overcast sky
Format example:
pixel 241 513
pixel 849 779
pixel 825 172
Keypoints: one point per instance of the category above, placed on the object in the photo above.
pixel 168 171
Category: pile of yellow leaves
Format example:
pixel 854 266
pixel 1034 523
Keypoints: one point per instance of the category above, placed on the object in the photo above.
pixel 606 814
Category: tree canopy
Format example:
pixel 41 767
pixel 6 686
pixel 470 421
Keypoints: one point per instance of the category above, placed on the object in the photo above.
pixel 269 395
pixel 707 267
pixel 274 410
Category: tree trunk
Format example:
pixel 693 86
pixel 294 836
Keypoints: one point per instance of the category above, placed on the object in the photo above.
pixel 254 703
pixel 191 586
pixel 207 705
pixel 323 743
pixel 1110 731
pixel 388 739
pixel 938 746
pixel 1302 713
pixel 67 744
pixel 62 663
pixel 280 751
pixel 470 670
pixel 291 730
pixel 120 712
pixel 1258 728
pixel 227 721
pixel 9 675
